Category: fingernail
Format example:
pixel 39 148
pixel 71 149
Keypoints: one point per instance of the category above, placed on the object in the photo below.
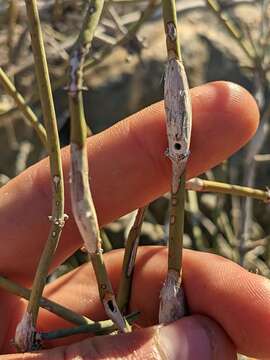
pixel 182 340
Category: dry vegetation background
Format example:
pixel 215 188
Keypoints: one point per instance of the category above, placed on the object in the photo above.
pixel 130 77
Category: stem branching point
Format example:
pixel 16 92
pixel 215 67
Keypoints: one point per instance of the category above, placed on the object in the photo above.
pixel 25 109
pixel 201 185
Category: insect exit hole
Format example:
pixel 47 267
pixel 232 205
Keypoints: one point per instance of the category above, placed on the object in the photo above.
pixel 111 306
pixel 177 146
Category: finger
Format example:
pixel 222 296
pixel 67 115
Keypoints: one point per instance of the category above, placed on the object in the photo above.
pixel 215 287
pixel 191 338
pixel 128 169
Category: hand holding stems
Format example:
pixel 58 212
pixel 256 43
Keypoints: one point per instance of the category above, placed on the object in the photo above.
pixel 250 294
pixel 179 125
pixel 179 135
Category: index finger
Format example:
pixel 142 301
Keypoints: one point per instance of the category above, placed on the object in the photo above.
pixel 128 169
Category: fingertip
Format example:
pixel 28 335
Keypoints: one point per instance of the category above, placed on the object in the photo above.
pixel 225 117
pixel 244 108
pixel 232 100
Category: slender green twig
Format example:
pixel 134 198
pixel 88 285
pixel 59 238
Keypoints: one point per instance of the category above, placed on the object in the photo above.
pixel 82 202
pixel 82 45
pixel 230 26
pixel 176 229
pixel 47 304
pixel 178 120
pixel 131 247
pixel 99 328
pixel 25 336
pixel 201 185
pixel 25 109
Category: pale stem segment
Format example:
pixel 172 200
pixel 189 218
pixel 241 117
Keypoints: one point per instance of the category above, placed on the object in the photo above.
pixel 178 123
pixel 81 198
pixel 22 105
pixel 131 247
pixel 26 338
pixel 201 185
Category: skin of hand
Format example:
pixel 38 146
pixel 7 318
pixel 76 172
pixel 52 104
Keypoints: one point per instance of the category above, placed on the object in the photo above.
pixel 230 307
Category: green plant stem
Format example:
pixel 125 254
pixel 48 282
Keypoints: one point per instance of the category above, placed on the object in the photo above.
pixel 231 28
pixel 83 44
pixel 131 247
pixel 176 227
pixel 82 202
pixel 25 109
pixel 99 328
pixel 85 325
pixel 178 122
pixel 47 304
pixel 24 336
pixel 178 189
pixel 58 218
pixel 201 185
pixel 170 25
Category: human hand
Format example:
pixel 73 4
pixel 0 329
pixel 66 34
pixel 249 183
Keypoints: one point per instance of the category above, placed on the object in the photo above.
pixel 230 307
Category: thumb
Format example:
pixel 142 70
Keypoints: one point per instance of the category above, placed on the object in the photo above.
pixel 191 338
